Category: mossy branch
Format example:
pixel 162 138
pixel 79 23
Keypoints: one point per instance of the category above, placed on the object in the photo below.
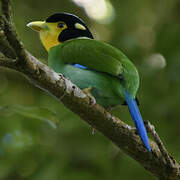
pixel 14 56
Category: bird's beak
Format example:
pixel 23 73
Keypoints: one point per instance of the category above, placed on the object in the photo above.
pixel 37 25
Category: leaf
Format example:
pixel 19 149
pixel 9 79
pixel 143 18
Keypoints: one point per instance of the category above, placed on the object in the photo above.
pixel 38 113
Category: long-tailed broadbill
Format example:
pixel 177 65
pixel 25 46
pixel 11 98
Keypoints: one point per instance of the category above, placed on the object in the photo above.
pixel 88 63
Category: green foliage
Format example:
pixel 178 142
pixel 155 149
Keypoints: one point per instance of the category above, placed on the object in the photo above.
pixel 30 148
pixel 36 113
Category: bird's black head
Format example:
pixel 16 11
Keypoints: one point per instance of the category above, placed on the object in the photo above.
pixel 75 26
pixel 60 27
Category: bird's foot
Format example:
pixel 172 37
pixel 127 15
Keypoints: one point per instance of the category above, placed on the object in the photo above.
pixel 88 92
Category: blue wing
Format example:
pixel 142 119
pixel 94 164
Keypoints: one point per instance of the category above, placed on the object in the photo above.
pixel 136 116
pixel 80 66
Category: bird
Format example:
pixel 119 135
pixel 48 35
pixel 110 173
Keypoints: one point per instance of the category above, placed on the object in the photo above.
pixel 94 66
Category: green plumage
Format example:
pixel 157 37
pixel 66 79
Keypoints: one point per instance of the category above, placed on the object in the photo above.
pixel 111 76
pixel 105 65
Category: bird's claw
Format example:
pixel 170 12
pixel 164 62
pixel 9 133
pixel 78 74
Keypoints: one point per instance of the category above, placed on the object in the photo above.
pixel 92 101
pixel 88 92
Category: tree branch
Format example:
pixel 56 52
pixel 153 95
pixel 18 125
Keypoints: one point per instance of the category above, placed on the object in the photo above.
pixel 158 162
pixel 6 8
pixel 7 62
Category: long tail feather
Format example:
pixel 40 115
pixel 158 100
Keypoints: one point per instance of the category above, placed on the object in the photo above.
pixel 136 116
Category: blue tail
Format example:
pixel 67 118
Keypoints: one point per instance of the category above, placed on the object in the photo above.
pixel 136 116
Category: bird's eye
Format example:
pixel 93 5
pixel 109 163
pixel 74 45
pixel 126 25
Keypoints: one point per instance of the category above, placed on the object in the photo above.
pixel 61 25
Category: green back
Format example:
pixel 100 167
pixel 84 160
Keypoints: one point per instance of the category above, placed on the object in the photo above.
pixel 102 59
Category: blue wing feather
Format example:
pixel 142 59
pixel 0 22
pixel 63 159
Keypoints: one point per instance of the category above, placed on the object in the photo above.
pixel 136 116
pixel 80 66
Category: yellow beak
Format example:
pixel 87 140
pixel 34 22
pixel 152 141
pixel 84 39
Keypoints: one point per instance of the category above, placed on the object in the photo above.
pixel 37 25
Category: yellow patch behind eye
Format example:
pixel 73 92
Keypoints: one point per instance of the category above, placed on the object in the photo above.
pixel 79 26
pixel 49 36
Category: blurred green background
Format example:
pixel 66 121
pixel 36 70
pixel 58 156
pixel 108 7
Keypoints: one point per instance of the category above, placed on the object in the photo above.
pixel 41 139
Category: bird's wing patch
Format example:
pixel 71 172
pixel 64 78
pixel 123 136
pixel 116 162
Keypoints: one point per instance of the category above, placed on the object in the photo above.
pixel 94 55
